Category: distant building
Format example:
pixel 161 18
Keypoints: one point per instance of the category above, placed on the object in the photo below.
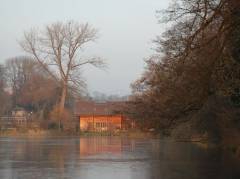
pixel 19 112
pixel 18 118
pixel 104 116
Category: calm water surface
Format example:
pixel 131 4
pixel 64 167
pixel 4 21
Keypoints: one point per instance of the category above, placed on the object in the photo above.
pixel 111 158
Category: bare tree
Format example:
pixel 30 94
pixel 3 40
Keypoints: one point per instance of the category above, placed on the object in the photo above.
pixel 193 19
pixel 2 76
pixel 57 49
pixel 19 70
pixel 4 95
pixel 2 85
pixel 31 86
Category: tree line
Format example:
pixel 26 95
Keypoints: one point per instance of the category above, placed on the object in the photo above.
pixel 196 60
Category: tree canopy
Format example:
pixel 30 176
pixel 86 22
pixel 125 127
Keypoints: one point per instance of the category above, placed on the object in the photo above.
pixel 196 58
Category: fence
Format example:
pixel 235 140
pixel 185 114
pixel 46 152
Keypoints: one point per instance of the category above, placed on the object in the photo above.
pixel 11 122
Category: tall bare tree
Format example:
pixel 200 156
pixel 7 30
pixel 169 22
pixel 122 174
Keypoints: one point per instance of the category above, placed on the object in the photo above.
pixel 57 49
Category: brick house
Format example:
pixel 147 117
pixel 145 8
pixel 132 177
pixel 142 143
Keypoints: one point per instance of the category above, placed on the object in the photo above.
pixel 105 116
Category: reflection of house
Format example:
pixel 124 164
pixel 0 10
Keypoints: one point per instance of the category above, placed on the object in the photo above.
pixel 100 145
pixel 94 116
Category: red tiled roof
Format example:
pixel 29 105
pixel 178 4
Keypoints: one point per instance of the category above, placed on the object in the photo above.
pixel 97 108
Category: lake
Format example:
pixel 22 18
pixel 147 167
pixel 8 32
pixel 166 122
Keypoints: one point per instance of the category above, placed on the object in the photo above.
pixel 111 158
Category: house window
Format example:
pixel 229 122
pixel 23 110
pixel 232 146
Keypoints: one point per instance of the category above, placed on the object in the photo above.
pixel 98 124
pixel 101 124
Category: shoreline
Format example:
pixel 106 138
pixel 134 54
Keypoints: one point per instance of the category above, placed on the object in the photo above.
pixel 56 133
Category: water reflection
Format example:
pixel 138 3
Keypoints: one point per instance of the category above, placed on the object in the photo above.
pixel 110 158
pixel 100 145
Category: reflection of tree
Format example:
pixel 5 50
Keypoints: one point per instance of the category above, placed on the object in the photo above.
pixel 42 154
pixel 184 160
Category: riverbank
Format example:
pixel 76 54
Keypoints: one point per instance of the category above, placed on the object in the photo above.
pixel 227 140
pixel 56 133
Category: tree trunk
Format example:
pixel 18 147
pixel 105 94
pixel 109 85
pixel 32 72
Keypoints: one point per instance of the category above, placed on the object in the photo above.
pixel 234 6
pixel 62 103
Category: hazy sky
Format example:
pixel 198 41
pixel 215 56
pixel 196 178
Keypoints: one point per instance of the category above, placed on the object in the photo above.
pixel 126 28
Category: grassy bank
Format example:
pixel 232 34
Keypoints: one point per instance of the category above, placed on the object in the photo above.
pixel 56 133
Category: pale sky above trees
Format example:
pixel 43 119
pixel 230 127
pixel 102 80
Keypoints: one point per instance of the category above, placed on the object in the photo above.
pixel 126 29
